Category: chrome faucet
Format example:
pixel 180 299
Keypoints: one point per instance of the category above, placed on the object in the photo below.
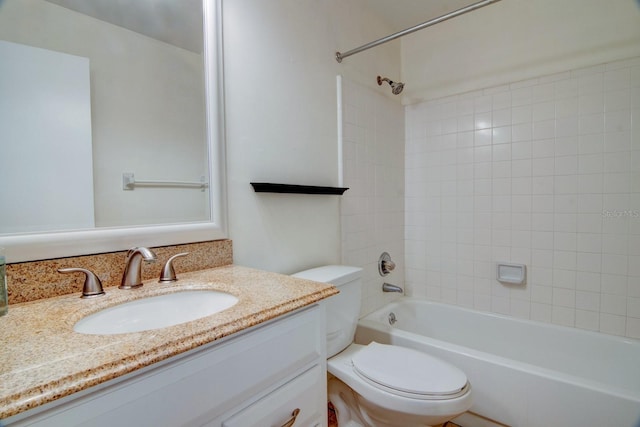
pixel 133 267
pixel 388 287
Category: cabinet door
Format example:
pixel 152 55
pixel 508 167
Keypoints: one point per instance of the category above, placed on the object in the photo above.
pixel 295 404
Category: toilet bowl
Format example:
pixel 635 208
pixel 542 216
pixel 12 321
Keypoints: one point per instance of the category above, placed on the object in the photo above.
pixel 397 386
pixel 378 385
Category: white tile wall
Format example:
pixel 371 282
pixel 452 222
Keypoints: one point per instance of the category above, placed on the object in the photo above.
pixel 372 210
pixel 544 172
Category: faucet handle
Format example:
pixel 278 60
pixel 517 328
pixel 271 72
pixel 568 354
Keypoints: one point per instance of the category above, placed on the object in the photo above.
pixel 92 285
pixel 385 265
pixel 168 272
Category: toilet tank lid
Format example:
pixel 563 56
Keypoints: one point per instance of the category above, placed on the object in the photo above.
pixel 334 274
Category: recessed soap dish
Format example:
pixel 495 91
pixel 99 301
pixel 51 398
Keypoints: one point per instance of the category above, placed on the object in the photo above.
pixel 511 273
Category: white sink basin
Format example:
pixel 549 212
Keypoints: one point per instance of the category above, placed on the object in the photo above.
pixel 155 312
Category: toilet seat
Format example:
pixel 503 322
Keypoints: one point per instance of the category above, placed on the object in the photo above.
pixel 373 396
pixel 408 373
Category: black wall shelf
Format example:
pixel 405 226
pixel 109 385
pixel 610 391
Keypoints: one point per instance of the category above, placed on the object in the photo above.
pixel 268 187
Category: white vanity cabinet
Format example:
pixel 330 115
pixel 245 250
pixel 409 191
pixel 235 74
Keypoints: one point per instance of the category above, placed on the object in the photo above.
pixel 270 375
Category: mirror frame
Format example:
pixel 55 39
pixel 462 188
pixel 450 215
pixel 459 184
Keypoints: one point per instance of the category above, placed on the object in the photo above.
pixel 38 246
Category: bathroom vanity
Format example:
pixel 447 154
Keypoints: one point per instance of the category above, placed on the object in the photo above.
pixel 260 362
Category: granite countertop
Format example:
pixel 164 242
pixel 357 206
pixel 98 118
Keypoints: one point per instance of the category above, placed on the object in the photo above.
pixel 42 359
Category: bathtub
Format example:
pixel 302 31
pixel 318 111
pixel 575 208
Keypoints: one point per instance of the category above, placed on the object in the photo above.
pixel 523 373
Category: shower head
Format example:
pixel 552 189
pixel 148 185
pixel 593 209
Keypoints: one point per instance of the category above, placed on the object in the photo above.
pixel 396 87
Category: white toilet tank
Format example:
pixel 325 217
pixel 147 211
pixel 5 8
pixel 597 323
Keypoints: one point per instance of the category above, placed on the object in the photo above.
pixel 342 309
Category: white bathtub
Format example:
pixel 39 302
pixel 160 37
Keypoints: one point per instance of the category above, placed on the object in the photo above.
pixel 523 373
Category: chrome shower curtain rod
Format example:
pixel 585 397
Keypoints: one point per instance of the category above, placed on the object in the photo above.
pixel 340 56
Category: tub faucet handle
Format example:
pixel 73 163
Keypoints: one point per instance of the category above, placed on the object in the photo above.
pixel 168 272
pixel 385 265
pixel 92 285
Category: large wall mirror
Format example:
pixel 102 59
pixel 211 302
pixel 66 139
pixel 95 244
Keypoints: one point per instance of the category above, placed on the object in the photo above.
pixel 110 125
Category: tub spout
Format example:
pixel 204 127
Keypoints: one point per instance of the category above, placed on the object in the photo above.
pixel 387 287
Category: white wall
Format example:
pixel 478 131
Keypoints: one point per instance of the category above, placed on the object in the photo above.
pixel 281 122
pixel 516 40
pixel 147 110
pixel 372 211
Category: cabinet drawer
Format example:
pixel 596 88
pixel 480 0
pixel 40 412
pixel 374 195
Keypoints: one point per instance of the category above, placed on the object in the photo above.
pixel 295 404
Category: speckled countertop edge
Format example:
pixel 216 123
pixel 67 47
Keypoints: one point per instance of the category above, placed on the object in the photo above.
pixel 43 359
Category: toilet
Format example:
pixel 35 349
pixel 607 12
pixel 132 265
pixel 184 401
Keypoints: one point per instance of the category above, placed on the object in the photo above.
pixel 379 385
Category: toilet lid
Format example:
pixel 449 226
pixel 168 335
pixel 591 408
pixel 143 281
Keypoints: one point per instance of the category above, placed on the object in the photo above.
pixel 409 372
